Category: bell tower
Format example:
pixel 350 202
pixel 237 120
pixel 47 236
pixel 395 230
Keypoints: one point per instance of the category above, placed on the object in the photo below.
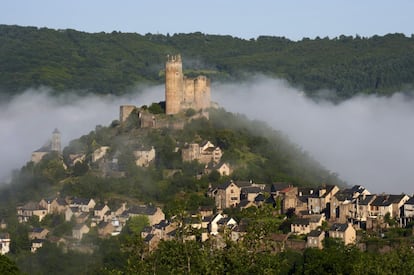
pixel 56 145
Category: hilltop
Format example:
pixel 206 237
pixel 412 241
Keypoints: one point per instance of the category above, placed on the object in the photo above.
pixel 114 63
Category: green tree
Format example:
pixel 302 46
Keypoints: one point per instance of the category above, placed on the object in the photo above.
pixel 7 266
pixel 135 225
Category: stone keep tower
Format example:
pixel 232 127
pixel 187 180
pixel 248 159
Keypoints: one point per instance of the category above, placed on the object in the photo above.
pixel 173 84
pixel 182 92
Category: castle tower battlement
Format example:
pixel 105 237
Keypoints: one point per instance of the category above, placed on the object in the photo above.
pixel 181 92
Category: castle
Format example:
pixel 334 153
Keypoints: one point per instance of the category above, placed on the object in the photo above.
pixel 181 92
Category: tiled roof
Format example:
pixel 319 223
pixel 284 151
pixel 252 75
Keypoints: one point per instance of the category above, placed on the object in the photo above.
pixel 243 203
pixel 410 201
pixel 251 189
pixel 315 233
pixel 148 238
pixel 143 210
pixel 80 201
pixel 259 198
pixel 386 200
pixel 278 186
pixel 339 227
pixel 37 230
pixel 366 200
pixel 227 184
pixel 301 221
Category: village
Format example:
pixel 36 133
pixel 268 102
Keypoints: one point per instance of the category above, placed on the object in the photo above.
pixel 315 214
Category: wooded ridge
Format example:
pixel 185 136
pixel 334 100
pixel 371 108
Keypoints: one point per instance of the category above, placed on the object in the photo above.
pixel 115 62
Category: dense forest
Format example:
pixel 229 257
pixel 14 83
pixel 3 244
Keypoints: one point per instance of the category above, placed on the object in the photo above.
pixel 69 60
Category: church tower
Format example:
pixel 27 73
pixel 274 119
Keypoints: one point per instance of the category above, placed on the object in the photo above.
pixel 55 145
pixel 174 85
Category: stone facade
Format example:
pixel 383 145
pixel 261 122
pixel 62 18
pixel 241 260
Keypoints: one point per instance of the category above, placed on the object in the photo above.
pixel 125 111
pixel 227 195
pixel 204 153
pixel 143 158
pixel 343 231
pixel 181 92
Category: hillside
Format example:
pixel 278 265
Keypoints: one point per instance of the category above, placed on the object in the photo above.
pixel 254 150
pixel 69 60
pixel 102 166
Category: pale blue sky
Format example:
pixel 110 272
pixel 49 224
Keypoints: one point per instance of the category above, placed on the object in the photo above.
pixel 293 19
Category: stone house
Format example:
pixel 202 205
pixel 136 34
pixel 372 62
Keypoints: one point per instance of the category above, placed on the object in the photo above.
pixel 223 168
pixel 99 212
pixel 363 206
pixel 143 158
pixel 409 208
pixel 4 243
pixel 306 224
pixel 79 230
pixel 38 233
pixel 343 231
pixel 319 198
pixel 84 204
pixel 392 204
pixel 238 232
pixel 82 217
pixel 276 187
pixel 227 195
pixel 288 198
pixel 152 241
pixel 30 209
pixel 54 206
pixel 249 193
pixel 36 244
pixel 154 214
pixel 162 228
pixel 315 239
pixel 75 158
pixel 300 226
pixel 100 153
pixel 205 211
pixel 105 229
pixel 72 212
pixel 398 202
pixel 219 223
pixel 205 153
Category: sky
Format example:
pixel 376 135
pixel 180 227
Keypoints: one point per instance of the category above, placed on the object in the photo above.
pixel 241 18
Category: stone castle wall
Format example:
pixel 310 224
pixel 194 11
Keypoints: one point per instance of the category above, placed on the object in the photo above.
pixel 125 111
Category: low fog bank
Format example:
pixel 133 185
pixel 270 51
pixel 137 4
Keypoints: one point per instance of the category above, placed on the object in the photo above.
pixel 367 140
pixel 28 120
